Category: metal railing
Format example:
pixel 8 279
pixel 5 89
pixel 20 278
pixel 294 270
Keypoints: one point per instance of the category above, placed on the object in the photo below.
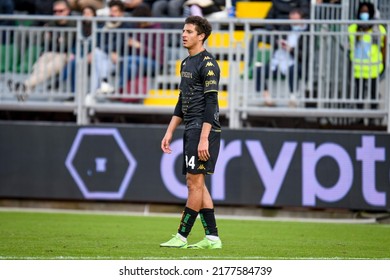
pixel 325 87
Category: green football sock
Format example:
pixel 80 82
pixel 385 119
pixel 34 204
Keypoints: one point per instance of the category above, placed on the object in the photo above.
pixel 187 221
pixel 207 217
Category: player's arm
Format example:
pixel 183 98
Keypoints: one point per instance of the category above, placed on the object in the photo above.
pixel 176 120
pixel 208 118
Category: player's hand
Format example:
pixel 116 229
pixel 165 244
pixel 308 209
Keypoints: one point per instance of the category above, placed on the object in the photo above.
pixel 165 144
pixel 203 150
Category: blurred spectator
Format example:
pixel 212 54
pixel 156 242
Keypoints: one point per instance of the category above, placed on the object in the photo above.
pixel 368 43
pixel 168 8
pixel 34 7
pixel 44 7
pixel 113 44
pixel 146 56
pixel 327 10
pixel 287 59
pixel 6 8
pixel 130 5
pixel 27 6
pixel 79 5
pixel 280 10
pixel 54 57
pixel 86 50
pixel 205 8
pixel 87 12
pixel 328 1
pixel 146 49
pixel 127 54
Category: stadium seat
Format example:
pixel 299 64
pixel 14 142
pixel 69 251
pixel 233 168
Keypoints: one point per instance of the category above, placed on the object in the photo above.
pixel 222 39
pixel 252 9
pixel 6 57
pixel 138 86
pixel 9 55
pixel 28 58
pixel 263 56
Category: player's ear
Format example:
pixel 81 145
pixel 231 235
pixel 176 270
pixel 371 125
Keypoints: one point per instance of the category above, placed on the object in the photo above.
pixel 202 36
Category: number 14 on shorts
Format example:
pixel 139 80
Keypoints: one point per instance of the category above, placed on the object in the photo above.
pixel 190 162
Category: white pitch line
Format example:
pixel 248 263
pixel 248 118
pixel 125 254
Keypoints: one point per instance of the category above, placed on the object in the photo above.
pixel 206 257
pixel 147 213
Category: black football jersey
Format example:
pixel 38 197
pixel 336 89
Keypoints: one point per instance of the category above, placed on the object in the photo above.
pixel 199 76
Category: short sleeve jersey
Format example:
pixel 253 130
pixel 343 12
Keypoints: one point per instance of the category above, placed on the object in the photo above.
pixel 199 76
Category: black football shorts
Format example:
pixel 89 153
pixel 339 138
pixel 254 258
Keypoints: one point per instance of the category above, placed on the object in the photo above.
pixel 191 162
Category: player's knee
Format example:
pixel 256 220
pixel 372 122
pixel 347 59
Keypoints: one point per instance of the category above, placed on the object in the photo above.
pixel 195 181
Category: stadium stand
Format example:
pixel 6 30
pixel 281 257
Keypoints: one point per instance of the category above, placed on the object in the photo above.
pixel 325 98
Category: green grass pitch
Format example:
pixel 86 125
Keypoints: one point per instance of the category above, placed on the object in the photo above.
pixel 41 235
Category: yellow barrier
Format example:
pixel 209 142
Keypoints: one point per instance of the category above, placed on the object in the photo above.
pixel 168 97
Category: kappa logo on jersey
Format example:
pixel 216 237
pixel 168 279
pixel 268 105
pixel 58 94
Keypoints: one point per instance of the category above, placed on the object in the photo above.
pixel 206 58
pixel 209 64
pixel 210 73
pixel 201 167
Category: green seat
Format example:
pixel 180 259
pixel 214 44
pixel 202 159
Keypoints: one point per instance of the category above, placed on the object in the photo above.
pixel 27 59
pixel 19 61
pixel 6 57
pixel 263 56
pixel 24 22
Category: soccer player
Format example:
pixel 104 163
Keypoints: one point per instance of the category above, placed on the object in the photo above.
pixel 198 107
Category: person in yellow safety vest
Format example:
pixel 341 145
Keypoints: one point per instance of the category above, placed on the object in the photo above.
pixel 367 53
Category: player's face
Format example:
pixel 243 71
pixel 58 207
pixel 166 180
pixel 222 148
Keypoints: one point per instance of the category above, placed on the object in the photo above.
pixel 190 37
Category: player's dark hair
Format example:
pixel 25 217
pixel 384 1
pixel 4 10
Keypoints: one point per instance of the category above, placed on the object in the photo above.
pixel 202 26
